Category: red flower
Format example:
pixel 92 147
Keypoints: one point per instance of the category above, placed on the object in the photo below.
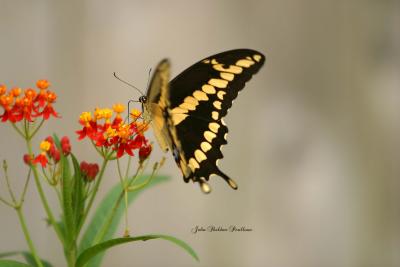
pixel 55 155
pixel 49 111
pixel 89 170
pixel 145 151
pixel 41 159
pixel 28 159
pixel 49 139
pixel 112 133
pixel 65 146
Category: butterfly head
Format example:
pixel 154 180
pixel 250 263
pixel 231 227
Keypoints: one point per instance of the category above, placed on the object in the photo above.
pixel 143 99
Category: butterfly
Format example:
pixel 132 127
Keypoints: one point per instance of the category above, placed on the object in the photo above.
pixel 187 113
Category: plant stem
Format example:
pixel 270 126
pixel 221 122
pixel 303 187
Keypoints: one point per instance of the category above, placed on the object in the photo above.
pixel 6 202
pixel 124 188
pixel 5 169
pixel 71 256
pixel 27 237
pixel 18 130
pixel 22 199
pixel 43 197
pixel 36 130
pixel 100 235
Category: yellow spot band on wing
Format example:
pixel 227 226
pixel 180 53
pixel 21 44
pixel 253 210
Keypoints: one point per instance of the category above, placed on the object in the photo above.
pixel 193 165
pixel 187 106
pixel 232 68
pixel 219 83
pixel 221 94
pixel 178 110
pixel 257 57
pixel 215 115
pixel 199 155
pixel 213 126
pixel 209 136
pixel 191 100
pixel 244 63
pixel 227 76
pixel 208 89
pixel 200 95
pixel 214 61
pixel 205 146
pixel 178 118
pixel 217 104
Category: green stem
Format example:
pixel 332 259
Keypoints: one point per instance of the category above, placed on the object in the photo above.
pixel 128 167
pixel 5 169
pixel 94 193
pixel 124 188
pixel 22 199
pixel 71 257
pixel 43 197
pixel 18 130
pixel 6 202
pixel 36 130
pixel 27 237
pixel 99 237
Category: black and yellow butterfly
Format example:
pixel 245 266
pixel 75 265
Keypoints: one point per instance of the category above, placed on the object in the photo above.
pixel 186 113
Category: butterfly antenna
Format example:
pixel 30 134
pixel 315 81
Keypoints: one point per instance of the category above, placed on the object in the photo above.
pixel 148 78
pixel 131 85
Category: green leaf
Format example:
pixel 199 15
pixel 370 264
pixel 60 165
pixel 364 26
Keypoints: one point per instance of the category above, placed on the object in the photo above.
pixel 28 258
pixel 67 198
pixel 11 263
pixel 78 199
pixel 31 261
pixel 104 210
pixel 96 249
pixel 66 186
pixel 8 254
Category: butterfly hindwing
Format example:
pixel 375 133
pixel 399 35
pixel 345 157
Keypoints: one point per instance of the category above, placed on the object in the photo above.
pixel 198 100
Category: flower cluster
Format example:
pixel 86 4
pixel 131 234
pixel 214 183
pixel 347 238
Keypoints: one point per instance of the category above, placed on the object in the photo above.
pixel 89 170
pixel 49 152
pixel 27 104
pixel 109 131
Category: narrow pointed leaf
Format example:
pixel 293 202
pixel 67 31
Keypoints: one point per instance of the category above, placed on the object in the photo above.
pixel 78 203
pixel 103 212
pixel 28 258
pixel 11 263
pixel 91 252
pixel 31 260
pixel 66 183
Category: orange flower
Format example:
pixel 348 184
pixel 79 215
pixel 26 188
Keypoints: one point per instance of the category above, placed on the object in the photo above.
pixel 42 84
pixel 29 105
pixel 135 114
pixel 16 91
pixel 142 126
pixel 30 93
pixel 3 89
pixel 118 108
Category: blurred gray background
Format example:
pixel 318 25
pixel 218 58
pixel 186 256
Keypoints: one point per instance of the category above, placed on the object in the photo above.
pixel 314 137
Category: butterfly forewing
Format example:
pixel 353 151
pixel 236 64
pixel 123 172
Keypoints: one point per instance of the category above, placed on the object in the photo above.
pixel 198 100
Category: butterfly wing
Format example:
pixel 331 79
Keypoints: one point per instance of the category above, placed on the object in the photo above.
pixel 157 102
pixel 198 100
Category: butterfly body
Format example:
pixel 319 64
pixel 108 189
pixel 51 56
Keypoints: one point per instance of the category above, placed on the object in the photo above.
pixel 187 113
